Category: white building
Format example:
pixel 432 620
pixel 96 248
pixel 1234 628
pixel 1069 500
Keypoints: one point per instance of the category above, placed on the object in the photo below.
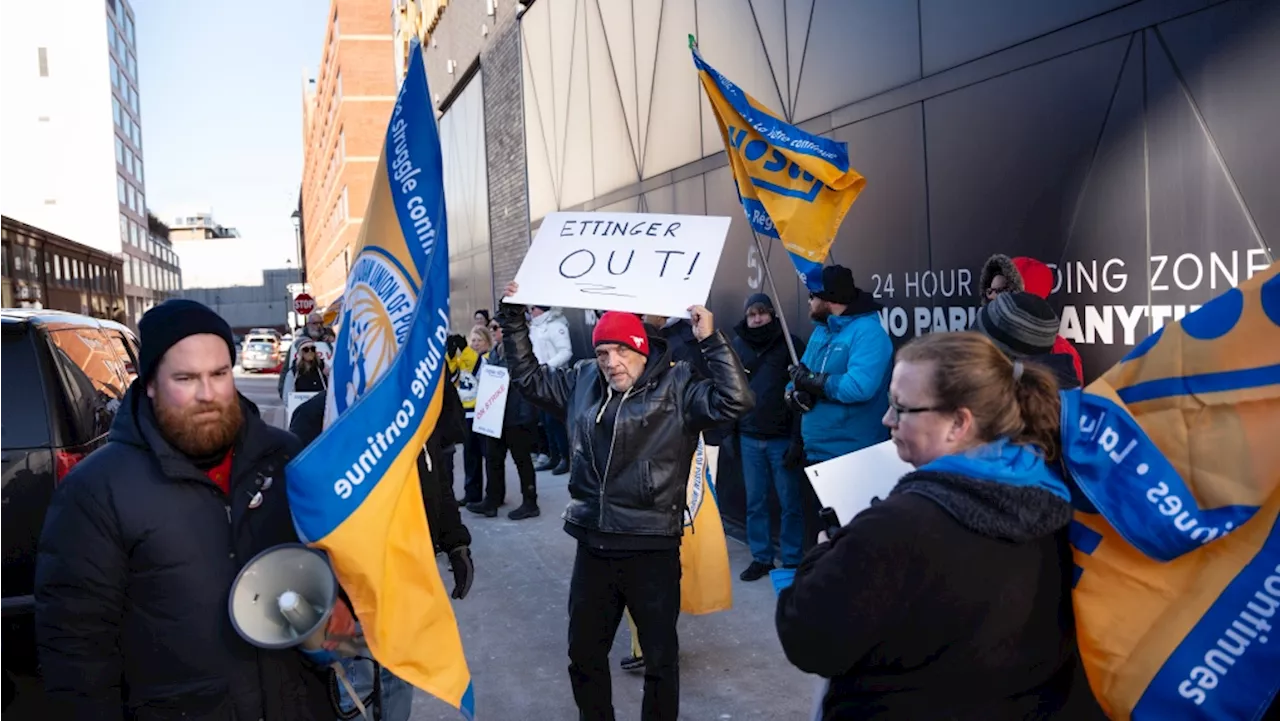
pixel 71 134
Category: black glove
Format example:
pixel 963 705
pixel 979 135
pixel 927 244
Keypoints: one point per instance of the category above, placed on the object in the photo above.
pixel 809 382
pixel 799 401
pixel 794 457
pixel 454 345
pixel 463 571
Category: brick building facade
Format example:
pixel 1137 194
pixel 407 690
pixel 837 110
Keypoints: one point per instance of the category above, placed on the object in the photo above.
pixel 345 112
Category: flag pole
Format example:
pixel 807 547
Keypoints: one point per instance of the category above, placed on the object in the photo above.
pixel 768 274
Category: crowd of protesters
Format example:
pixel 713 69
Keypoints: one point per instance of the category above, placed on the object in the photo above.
pixel 949 598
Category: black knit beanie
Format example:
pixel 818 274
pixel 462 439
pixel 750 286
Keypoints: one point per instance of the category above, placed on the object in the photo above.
pixel 170 322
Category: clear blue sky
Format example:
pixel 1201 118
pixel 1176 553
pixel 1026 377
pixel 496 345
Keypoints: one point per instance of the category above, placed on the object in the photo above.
pixel 221 94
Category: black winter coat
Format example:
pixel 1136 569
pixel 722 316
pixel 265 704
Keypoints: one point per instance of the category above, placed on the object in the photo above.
pixel 951 599
pixel 636 486
pixel 765 357
pixel 683 346
pixel 136 562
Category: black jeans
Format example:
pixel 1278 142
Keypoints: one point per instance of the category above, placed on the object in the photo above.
pixel 518 440
pixel 473 465
pixel 647 583
pixel 557 438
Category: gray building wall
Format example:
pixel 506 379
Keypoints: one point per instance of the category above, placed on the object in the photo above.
pixel 504 142
pixel 257 306
pixel 1128 144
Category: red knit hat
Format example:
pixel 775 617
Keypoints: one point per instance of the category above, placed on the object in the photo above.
pixel 623 329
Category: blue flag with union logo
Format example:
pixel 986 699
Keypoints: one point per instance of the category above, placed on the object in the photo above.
pixel 354 492
pixel 794 186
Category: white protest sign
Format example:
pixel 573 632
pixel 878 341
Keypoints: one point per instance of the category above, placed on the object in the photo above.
pixel 636 262
pixel 848 483
pixel 491 400
pixel 296 399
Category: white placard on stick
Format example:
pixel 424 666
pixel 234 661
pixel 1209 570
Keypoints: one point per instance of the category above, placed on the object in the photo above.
pixel 636 262
pixel 848 483
pixel 491 400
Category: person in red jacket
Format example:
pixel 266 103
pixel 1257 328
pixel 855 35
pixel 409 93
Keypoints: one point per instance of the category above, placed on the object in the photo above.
pixel 1002 274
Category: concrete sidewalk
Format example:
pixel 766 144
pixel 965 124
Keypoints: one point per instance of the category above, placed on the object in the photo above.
pixel 515 628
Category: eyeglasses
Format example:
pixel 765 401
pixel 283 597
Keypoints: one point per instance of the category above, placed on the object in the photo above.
pixel 901 410
pixel 308 350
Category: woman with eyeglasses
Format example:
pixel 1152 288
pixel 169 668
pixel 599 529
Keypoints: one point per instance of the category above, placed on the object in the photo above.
pixel 951 597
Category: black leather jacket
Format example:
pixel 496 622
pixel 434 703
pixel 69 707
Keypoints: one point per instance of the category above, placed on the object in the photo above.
pixel 636 485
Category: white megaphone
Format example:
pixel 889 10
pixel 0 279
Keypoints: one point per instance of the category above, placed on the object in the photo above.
pixel 283 598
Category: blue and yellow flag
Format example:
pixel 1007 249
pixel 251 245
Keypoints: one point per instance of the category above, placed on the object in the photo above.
pixel 794 186
pixel 354 492
pixel 1177 548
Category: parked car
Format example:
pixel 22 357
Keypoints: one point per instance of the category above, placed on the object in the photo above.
pixel 261 353
pixel 64 378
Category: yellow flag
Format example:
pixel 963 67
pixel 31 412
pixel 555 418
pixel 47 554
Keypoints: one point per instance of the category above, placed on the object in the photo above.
pixel 705 586
pixel 794 186
pixel 1177 550
pixel 355 492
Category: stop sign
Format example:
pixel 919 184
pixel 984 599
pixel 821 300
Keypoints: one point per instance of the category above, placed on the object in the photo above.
pixel 304 304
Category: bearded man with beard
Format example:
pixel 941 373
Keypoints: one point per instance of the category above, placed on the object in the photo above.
pixel 144 537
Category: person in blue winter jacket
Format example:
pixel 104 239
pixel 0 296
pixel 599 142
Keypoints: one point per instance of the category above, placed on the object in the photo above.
pixel 842 383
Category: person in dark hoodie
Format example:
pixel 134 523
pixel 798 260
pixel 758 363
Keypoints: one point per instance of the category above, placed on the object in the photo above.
pixel 769 436
pixel 1001 274
pixel 951 598
pixel 145 536
pixel 1023 326
pixel 634 418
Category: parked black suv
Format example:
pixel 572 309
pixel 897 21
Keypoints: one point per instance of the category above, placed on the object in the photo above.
pixel 63 378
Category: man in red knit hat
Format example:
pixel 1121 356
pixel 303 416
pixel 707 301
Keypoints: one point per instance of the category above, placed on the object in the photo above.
pixel 633 418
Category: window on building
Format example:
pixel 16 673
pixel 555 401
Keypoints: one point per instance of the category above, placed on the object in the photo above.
pixel 129 193
pixel 117 112
pixel 124 229
pixel 342 203
pixel 131 65
pixel 120 186
pixel 111 34
pixel 115 73
pixel 133 99
pixel 138 167
pixel 128 29
pixel 342 145
pixel 42 59
pixel 142 203
pixel 119 151
pixel 57 268
pixel 128 274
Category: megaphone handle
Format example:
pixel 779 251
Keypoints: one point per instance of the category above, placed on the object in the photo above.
pixel 351 691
